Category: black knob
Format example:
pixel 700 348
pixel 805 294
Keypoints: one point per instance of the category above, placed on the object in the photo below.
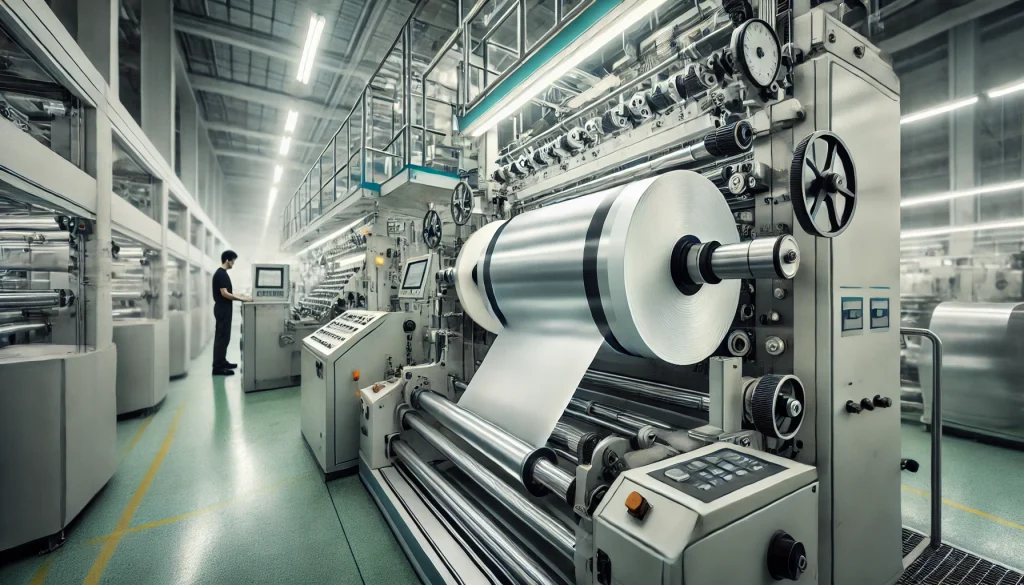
pixel 730 140
pixel 882 402
pixel 866 404
pixel 409 326
pixel 787 557
pixel 852 407
pixel 909 465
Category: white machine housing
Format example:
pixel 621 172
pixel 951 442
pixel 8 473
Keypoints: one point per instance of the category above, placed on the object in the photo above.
pixel 271 283
pixel 337 360
pixel 707 530
pixel 271 348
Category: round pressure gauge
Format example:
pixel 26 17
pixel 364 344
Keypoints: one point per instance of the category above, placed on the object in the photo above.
pixel 756 50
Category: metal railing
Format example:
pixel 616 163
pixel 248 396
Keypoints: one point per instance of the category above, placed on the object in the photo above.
pixel 936 436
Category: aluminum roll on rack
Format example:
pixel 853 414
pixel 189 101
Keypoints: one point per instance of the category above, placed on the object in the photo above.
pixel 512 556
pixel 536 468
pixel 34 299
pixel 553 531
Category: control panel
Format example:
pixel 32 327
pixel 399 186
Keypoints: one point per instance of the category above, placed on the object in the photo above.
pixel 270 283
pixel 332 336
pixel 415 278
pixel 720 473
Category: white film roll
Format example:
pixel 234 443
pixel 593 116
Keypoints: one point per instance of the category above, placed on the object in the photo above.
pixel 564 280
pixel 470 295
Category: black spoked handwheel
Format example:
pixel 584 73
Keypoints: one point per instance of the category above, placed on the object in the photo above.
pixel 823 185
pixel 462 203
pixel 432 229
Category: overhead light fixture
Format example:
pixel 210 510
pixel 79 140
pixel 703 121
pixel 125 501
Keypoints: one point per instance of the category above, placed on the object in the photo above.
pixel 291 121
pixel 960 229
pixel 615 28
pixel 1005 90
pixel 987 189
pixel 278 171
pixel 943 109
pixel 316 28
pixel 340 232
pixel 270 203
pixel 286 144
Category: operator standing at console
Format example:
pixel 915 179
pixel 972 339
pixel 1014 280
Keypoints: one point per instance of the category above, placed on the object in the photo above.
pixel 222 310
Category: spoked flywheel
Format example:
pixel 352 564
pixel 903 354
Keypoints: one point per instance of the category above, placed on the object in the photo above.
pixel 823 185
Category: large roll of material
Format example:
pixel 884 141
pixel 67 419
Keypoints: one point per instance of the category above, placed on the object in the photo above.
pixel 561 281
pixel 982 369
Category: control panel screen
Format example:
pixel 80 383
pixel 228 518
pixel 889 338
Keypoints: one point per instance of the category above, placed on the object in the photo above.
pixel 414 273
pixel 269 277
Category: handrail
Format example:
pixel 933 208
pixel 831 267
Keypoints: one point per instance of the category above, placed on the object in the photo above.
pixel 936 450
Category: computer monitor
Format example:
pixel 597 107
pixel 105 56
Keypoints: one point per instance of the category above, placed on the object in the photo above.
pixel 270 283
pixel 414 278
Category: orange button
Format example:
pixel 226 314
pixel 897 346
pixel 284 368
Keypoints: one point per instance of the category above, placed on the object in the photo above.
pixel 355 375
pixel 637 505
pixel 377 388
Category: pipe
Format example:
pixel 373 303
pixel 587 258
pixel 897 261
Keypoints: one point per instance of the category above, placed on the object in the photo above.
pixel 936 454
pixel 32 300
pixel 12 328
pixel 129 313
pixel 127 295
pixel 537 469
pixel 29 223
pixel 641 437
pixel 494 539
pixel 548 528
pixel 675 396
pixel 731 140
pixel 617 414
pixel 33 236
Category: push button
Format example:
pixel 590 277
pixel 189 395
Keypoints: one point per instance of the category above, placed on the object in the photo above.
pixel 676 474
pixel 637 505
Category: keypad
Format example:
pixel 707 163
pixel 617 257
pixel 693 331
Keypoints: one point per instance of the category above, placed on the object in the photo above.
pixel 712 476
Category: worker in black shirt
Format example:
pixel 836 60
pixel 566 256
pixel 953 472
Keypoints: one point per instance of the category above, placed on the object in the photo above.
pixel 222 310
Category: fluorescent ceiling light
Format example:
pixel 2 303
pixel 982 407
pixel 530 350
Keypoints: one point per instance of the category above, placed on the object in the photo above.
pixel 273 196
pixel 291 121
pixel 959 229
pixel 316 28
pixel 938 110
pixel 278 171
pixel 323 241
pixel 1005 90
pixel 928 199
pixel 286 144
pixel 615 28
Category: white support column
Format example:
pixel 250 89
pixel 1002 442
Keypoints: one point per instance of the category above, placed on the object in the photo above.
pixel 97 37
pixel 188 136
pixel 162 193
pixel 157 75
pixel 99 157
pixel 962 175
pixel 186 303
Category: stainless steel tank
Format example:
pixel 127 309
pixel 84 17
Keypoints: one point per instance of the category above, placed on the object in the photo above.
pixel 982 367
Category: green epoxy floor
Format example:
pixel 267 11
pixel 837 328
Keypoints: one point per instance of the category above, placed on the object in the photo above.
pixel 237 499
pixel 983 495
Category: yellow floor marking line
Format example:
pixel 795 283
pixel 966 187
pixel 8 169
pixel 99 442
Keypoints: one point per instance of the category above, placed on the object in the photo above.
pixel 135 438
pixel 40 577
pixel 967 509
pixel 211 508
pixel 133 505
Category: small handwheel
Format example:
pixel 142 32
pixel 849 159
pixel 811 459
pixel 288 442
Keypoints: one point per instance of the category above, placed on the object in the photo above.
pixel 823 176
pixel 462 203
pixel 432 229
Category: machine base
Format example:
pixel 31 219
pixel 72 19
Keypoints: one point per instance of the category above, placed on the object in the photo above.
pixel 142 412
pixel 948 564
pixel 435 554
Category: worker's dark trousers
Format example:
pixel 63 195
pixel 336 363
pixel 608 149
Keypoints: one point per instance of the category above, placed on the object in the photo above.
pixel 222 334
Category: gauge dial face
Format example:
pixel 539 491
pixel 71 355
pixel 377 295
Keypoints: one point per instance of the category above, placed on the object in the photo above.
pixel 756 48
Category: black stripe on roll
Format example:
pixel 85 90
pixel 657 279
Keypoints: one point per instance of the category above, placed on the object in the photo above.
pixel 590 281
pixel 488 288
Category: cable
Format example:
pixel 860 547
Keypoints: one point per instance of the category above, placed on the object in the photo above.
pixel 345 534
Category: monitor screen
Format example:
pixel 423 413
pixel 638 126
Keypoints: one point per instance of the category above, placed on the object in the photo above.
pixel 269 277
pixel 414 273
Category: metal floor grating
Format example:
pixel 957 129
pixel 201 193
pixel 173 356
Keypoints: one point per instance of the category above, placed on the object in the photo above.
pixel 952 566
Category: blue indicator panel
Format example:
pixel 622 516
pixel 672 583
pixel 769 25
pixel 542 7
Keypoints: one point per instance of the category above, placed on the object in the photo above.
pixel 879 313
pixel 853 314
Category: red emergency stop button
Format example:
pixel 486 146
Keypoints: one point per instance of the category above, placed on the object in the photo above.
pixel 637 505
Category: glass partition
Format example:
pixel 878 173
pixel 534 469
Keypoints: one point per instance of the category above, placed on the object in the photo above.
pixel 133 183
